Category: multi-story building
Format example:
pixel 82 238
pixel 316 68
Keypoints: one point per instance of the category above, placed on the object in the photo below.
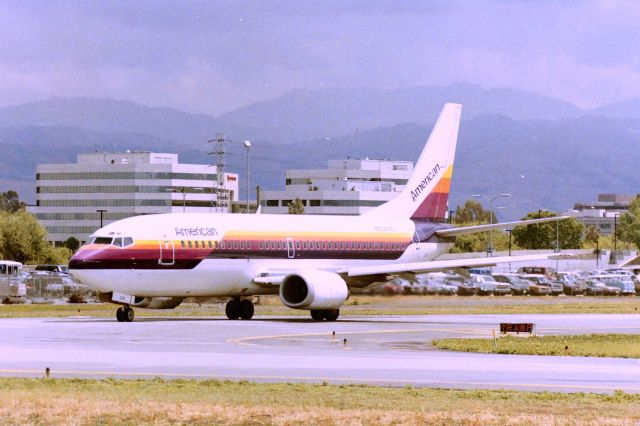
pixel 346 187
pixel 602 213
pixel 73 200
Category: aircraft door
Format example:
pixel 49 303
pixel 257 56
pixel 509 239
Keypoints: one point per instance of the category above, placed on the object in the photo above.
pixel 416 242
pixel 291 248
pixel 167 253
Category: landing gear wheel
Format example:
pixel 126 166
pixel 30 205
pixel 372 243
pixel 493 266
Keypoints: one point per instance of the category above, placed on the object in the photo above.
pixel 128 314
pixel 120 314
pixel 124 314
pixel 317 315
pixel 246 309
pixel 233 309
pixel 331 314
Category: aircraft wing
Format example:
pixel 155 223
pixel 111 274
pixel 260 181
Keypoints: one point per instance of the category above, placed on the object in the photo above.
pixel 275 277
pixel 434 265
pixel 452 232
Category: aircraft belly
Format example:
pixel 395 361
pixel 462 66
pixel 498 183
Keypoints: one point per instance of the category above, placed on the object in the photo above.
pixel 232 278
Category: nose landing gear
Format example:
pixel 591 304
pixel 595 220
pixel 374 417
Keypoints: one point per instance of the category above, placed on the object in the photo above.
pixel 237 308
pixel 125 314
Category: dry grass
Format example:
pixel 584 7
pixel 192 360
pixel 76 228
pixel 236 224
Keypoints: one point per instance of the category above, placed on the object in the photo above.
pixel 50 402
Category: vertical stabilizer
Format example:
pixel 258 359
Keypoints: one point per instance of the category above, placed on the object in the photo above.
pixel 426 195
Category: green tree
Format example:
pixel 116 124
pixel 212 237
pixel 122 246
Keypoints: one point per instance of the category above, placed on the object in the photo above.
pixel 629 224
pixel 543 235
pixel 23 239
pixel 472 213
pixel 592 235
pixel 470 243
pixel 10 202
pixel 296 206
pixel 72 244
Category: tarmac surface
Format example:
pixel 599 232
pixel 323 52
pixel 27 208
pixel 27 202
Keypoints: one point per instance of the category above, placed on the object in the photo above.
pixel 390 351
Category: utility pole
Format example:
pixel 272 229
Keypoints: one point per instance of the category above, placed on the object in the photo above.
pixel 247 145
pixel 101 211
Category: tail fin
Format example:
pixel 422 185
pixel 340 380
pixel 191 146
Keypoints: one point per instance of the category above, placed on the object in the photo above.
pixel 426 195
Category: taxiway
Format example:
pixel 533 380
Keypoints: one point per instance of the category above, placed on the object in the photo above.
pixel 394 351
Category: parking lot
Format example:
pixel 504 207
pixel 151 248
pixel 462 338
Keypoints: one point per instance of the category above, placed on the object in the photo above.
pixel 534 281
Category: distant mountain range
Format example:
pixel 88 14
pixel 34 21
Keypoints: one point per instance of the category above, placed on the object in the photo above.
pixel 547 152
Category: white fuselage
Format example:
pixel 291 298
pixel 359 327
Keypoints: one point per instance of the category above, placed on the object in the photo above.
pixel 221 255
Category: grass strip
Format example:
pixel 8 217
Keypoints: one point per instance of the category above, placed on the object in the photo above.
pixel 591 345
pixel 358 305
pixel 74 401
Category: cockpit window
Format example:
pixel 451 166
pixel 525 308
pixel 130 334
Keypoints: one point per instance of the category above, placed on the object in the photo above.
pixel 102 240
pixel 117 241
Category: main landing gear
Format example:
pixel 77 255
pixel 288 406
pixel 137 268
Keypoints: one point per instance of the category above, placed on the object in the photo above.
pixel 325 314
pixel 125 314
pixel 237 308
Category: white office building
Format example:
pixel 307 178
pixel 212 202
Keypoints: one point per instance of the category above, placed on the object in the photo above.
pixel 73 200
pixel 346 187
pixel 603 213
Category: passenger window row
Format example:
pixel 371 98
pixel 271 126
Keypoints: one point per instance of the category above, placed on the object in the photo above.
pixel 199 244
pixel 299 245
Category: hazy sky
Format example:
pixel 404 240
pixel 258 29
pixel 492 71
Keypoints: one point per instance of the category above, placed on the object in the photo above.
pixel 214 56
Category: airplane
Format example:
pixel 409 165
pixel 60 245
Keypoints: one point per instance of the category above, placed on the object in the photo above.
pixel 311 261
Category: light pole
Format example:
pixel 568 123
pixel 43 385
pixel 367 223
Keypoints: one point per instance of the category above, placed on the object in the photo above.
pixel 509 231
pixel 491 200
pixel 247 145
pixel 615 231
pixel 101 211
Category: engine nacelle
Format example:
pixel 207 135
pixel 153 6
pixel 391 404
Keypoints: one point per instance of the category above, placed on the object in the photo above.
pixel 313 290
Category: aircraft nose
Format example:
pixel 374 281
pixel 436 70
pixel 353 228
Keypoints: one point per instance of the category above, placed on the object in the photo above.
pixel 83 258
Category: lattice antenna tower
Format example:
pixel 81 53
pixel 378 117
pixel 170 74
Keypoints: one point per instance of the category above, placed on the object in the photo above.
pixel 222 199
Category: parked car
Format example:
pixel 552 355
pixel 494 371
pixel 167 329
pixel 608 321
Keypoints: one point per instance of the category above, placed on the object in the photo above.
pixel 60 269
pixel 622 282
pixel 571 283
pixel 487 285
pixel 636 283
pixel 518 285
pixel 467 288
pixel 598 288
pixel 436 283
pixel 542 286
pixel 536 270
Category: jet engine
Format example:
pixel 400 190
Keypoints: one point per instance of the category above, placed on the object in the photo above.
pixel 313 290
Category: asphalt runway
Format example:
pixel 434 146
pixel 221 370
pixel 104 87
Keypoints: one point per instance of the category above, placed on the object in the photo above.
pixel 392 351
